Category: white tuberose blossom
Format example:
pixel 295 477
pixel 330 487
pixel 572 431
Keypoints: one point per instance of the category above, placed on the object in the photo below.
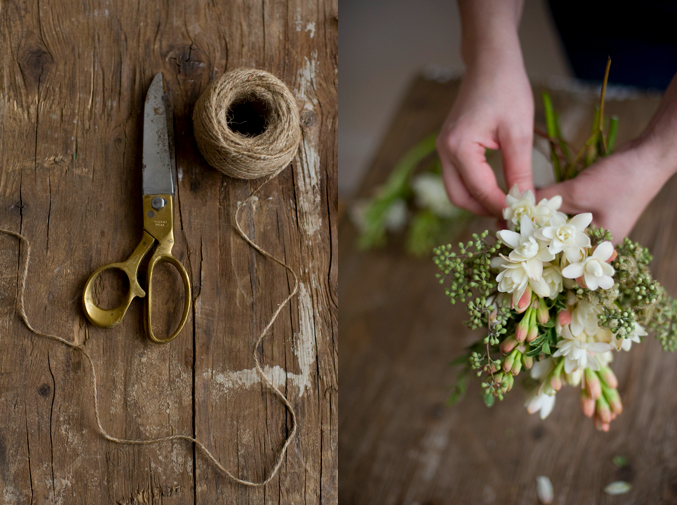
pixel 526 248
pixel 568 236
pixel 594 269
pixel 542 402
pixel 584 318
pixel 518 205
pixel 430 194
pixel 578 354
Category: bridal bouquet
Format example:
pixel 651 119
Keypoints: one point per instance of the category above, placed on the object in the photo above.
pixel 557 299
pixel 554 295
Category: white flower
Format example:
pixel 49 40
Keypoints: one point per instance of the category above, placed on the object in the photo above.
pixel 553 278
pixel 430 194
pixel 626 343
pixel 515 276
pixel 568 236
pixel 594 269
pixel 584 318
pixel 518 205
pixel 396 217
pixel 579 355
pixel 547 209
pixel 542 402
pixel 542 368
pixel 526 248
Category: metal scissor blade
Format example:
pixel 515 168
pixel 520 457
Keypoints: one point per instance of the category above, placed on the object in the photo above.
pixel 158 160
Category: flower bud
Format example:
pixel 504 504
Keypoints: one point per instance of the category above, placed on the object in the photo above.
pixel 533 328
pixel 600 425
pixel 527 361
pixel 543 313
pixel 508 361
pixel 587 404
pixel 508 345
pixel 602 410
pixel 614 399
pixel 524 302
pixel 523 327
pixel 608 377
pixel 507 383
pixel 592 384
pixel 556 377
pixel 564 317
pixel 516 366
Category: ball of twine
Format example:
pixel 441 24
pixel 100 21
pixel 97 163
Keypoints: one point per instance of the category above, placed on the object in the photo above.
pixel 238 151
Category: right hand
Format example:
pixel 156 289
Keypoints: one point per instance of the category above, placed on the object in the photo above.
pixel 494 110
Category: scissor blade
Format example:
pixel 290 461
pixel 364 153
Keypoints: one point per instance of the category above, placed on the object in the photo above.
pixel 157 127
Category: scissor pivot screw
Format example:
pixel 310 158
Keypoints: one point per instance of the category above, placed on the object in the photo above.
pixel 158 202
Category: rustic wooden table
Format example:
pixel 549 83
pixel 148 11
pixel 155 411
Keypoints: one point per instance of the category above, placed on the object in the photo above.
pixel 399 441
pixel 72 84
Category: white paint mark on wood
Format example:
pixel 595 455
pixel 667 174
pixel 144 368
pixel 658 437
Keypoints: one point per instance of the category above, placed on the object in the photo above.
pixel 310 27
pixel 308 160
pixel 303 347
pixel 306 88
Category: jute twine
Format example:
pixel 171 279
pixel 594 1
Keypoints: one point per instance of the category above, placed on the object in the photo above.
pixel 240 156
pixel 234 153
pixel 95 391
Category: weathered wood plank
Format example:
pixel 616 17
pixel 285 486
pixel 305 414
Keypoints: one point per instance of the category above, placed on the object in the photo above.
pixel 400 443
pixel 72 85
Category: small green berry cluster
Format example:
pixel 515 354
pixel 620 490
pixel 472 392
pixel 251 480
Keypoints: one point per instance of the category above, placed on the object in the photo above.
pixel 620 322
pixel 599 235
pixel 663 321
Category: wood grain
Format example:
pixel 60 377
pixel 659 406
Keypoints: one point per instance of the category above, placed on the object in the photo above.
pixel 72 83
pixel 401 444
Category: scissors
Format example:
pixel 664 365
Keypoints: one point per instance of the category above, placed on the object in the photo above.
pixel 158 219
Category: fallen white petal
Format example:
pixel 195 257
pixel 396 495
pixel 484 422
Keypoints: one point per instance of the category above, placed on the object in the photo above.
pixel 618 487
pixel 544 489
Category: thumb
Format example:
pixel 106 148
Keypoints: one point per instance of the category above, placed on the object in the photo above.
pixel 516 149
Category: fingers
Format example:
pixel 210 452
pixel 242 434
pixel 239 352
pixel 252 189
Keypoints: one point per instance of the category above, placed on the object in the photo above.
pixel 562 189
pixel 470 182
pixel 458 194
pixel 516 147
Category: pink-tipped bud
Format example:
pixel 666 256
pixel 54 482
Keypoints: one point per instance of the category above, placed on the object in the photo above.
pixel 608 377
pixel 592 384
pixel 543 313
pixel 508 361
pixel 614 400
pixel 532 334
pixel 564 317
pixel 523 327
pixel 527 361
pixel 612 257
pixel 601 425
pixel 587 404
pixel 516 366
pixel 524 302
pixel 581 282
pixel 556 382
pixel 508 345
pixel 602 410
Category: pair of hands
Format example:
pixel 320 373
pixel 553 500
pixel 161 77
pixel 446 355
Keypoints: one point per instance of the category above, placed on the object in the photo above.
pixel 495 110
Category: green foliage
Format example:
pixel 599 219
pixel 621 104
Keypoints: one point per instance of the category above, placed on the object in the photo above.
pixel 396 188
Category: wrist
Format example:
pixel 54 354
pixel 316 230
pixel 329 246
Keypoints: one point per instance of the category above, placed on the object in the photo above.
pixel 656 154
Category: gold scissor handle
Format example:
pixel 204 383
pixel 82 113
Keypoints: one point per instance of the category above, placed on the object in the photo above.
pixel 158 257
pixel 111 318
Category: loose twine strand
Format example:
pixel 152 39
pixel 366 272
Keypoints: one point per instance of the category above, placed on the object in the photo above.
pixel 259 370
pixel 239 156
